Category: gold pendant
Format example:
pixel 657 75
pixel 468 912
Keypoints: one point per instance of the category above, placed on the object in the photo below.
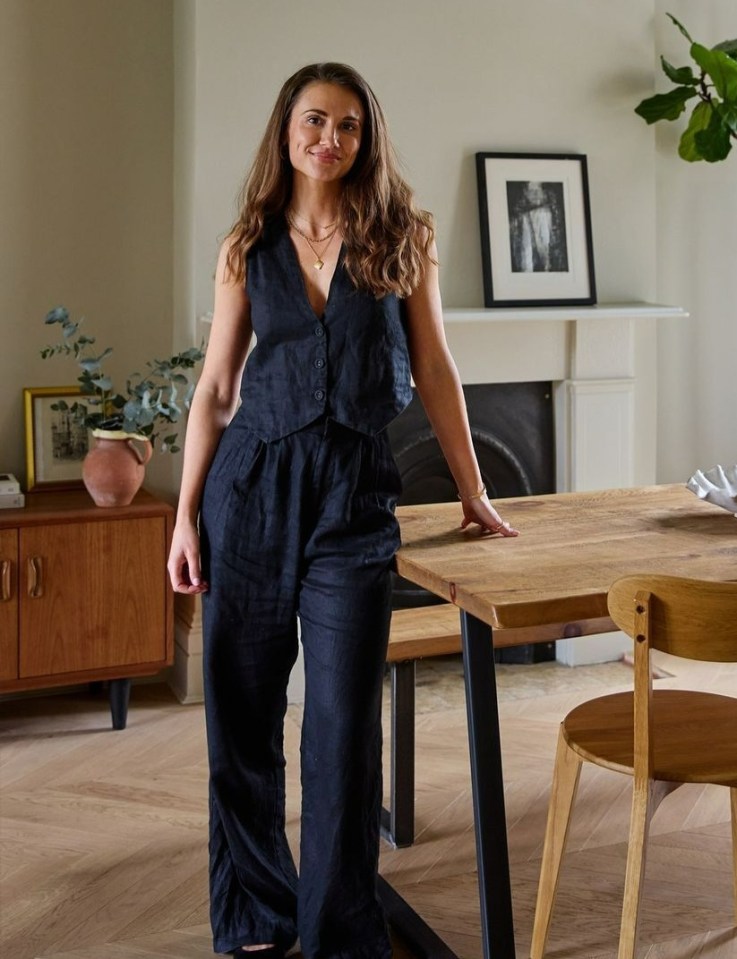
pixel 318 264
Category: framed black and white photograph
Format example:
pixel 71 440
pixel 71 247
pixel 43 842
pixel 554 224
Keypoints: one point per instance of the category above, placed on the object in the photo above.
pixel 535 229
pixel 56 445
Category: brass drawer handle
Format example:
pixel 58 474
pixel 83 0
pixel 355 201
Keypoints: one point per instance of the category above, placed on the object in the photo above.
pixel 35 583
pixel 5 568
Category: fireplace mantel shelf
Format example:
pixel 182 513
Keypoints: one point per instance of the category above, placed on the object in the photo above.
pixel 535 314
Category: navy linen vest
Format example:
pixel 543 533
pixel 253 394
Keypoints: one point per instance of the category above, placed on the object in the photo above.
pixel 351 364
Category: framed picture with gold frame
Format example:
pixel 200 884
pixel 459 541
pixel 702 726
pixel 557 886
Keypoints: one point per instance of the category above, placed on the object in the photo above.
pixel 55 444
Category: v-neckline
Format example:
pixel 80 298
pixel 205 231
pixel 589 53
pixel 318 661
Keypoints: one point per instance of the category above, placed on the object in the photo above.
pixel 303 281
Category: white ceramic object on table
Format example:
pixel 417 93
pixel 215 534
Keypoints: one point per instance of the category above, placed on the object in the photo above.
pixel 717 485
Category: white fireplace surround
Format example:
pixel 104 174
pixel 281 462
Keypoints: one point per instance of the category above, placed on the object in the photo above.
pixel 603 417
pixel 588 353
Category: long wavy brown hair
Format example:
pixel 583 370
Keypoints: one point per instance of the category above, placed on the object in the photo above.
pixel 387 238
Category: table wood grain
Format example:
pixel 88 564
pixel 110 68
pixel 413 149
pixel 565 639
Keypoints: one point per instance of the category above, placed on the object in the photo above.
pixel 571 548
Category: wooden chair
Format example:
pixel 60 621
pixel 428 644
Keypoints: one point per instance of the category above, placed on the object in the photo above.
pixel 663 738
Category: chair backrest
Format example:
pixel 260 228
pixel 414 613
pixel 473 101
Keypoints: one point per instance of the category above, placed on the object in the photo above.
pixel 693 618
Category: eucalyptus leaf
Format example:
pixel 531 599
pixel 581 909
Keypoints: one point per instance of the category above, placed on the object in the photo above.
pixel 145 417
pixel 147 400
pixel 89 365
pixel 58 315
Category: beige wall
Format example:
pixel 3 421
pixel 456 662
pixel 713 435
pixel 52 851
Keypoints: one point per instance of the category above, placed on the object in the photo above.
pixel 697 267
pixel 453 78
pixel 86 93
pixel 109 107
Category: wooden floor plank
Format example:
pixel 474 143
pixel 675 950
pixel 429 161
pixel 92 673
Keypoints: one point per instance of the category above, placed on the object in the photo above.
pixel 103 845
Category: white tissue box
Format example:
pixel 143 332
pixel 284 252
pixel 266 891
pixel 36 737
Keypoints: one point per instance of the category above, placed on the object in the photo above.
pixel 8 484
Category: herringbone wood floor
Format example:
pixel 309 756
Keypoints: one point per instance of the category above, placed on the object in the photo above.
pixel 104 833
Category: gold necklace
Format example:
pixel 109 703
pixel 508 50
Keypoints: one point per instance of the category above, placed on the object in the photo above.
pixel 327 240
pixel 293 213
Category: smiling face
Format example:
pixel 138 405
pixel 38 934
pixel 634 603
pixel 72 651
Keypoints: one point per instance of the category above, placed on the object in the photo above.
pixel 324 131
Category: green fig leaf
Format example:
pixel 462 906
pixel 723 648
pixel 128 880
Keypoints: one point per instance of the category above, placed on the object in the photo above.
pixel 713 143
pixel 678 74
pixel 680 26
pixel 665 106
pixel 721 68
pixel 700 119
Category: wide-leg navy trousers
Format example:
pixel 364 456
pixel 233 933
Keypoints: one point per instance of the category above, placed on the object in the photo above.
pixel 300 527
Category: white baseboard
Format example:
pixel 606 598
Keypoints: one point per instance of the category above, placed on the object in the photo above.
pixel 587 650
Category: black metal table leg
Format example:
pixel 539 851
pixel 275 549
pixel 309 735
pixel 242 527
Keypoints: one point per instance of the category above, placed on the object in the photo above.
pixel 497 929
pixel 495 894
pixel 419 937
pixel 120 690
pixel 398 822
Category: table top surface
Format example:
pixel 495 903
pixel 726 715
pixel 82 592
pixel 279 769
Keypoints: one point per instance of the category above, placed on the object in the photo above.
pixel 571 548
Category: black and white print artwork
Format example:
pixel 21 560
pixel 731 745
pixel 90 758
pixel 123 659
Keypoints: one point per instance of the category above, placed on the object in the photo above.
pixel 69 439
pixel 537 227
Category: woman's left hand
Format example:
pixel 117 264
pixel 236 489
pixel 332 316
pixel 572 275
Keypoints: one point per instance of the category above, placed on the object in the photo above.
pixel 479 510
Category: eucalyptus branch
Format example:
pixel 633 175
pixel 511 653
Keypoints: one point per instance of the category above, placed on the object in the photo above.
pixel 149 399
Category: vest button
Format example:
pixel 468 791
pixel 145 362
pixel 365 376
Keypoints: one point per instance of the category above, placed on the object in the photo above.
pixel 319 331
pixel 319 394
pixel 319 363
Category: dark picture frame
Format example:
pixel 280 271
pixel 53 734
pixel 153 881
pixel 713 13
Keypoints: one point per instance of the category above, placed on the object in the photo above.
pixel 55 445
pixel 536 239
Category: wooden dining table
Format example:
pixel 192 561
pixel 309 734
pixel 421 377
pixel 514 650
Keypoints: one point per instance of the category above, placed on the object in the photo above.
pixel 550 581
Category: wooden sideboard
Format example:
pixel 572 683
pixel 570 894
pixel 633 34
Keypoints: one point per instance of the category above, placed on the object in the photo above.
pixel 84 595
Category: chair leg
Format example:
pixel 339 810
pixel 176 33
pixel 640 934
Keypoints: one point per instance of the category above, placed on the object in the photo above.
pixel 566 776
pixel 646 797
pixel 733 803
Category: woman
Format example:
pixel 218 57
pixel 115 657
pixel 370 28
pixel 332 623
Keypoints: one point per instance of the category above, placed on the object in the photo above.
pixel 334 269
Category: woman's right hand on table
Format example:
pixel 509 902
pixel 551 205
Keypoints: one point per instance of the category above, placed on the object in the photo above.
pixel 184 568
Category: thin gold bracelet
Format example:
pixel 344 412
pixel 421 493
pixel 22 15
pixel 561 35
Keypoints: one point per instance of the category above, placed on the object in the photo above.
pixel 477 495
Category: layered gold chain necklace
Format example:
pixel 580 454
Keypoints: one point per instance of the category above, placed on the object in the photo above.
pixel 310 240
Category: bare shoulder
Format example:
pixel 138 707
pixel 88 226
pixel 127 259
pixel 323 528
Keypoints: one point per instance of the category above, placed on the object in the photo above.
pixel 228 263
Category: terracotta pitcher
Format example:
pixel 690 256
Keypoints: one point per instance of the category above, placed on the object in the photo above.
pixel 114 468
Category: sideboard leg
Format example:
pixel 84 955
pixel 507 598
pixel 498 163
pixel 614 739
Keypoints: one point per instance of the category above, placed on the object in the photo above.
pixel 120 691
